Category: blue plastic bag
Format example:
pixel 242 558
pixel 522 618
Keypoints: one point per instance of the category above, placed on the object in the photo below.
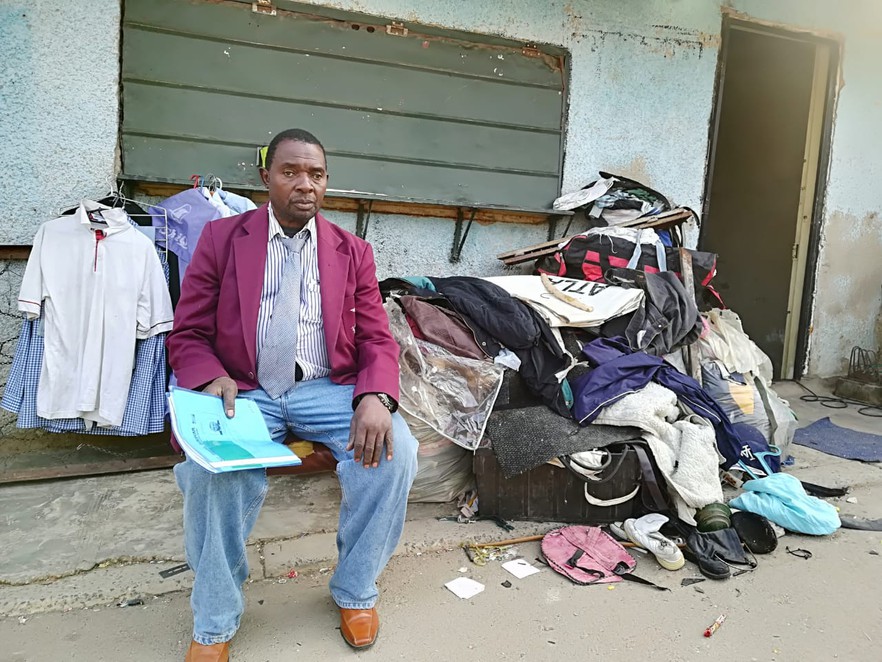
pixel 781 499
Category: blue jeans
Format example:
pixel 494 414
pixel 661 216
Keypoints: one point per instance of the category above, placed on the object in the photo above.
pixel 220 509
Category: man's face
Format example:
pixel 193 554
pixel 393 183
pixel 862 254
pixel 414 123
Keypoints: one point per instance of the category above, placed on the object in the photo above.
pixel 297 179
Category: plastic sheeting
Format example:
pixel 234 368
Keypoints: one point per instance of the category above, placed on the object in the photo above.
pixel 727 342
pixel 453 395
pixel 445 469
pixel 737 396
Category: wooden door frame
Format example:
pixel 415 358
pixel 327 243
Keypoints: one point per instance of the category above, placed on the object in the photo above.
pixel 729 23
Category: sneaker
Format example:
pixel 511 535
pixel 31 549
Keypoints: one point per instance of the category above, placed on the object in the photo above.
pixel 618 530
pixel 645 533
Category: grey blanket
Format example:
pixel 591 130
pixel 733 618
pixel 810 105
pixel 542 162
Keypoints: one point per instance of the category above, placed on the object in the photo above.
pixel 526 438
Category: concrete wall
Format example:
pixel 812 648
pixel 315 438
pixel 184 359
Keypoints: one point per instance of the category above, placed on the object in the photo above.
pixel 641 95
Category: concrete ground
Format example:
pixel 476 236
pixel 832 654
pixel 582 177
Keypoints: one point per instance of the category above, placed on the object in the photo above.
pixel 71 550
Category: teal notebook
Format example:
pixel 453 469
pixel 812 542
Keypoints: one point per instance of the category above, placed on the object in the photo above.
pixel 218 443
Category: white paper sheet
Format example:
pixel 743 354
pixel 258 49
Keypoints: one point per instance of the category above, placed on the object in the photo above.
pixel 465 588
pixel 520 568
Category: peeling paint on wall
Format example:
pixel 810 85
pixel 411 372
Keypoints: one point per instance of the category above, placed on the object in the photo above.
pixel 849 290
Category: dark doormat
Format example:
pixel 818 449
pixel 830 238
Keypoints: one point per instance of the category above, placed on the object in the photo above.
pixel 827 437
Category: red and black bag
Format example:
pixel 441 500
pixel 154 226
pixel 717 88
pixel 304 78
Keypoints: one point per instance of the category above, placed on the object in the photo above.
pixel 590 256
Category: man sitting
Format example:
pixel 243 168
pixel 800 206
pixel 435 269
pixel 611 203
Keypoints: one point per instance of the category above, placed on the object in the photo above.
pixel 283 307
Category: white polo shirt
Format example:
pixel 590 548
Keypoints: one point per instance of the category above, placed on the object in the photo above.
pixel 99 288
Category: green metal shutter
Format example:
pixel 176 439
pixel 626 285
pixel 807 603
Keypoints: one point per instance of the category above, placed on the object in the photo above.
pixel 423 117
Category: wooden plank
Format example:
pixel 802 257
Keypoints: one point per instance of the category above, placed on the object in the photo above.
pixel 350 204
pixel 332 81
pixel 693 363
pixel 663 221
pixel 538 248
pixel 349 36
pixel 156 159
pixel 15 252
pixel 211 116
pixel 90 469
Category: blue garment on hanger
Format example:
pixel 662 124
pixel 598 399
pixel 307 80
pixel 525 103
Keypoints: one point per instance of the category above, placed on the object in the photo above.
pixel 238 203
pixel 186 214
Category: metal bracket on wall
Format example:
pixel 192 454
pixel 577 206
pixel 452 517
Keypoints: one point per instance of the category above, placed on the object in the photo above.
pixel 363 219
pixel 460 236
pixel 552 227
pixel 263 7
pixel 396 29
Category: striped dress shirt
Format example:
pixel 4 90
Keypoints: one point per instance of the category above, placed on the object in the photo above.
pixel 312 352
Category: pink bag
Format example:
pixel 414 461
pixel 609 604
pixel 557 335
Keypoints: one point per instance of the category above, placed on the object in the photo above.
pixel 588 555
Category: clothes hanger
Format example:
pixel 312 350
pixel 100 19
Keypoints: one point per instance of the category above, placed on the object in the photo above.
pixel 213 183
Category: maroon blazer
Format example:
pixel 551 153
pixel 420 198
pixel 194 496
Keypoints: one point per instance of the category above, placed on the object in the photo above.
pixel 215 329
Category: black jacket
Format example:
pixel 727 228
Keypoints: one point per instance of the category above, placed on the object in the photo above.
pixel 499 320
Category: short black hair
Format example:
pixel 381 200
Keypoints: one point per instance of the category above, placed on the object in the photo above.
pixel 295 135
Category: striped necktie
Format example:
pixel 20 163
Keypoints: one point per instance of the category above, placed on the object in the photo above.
pixel 276 363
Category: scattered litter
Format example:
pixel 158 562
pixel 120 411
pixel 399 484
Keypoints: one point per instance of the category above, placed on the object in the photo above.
pixel 134 602
pixel 698 589
pixel 874 552
pixel 22 619
pixel 292 574
pixel 465 588
pixel 483 555
pixel 506 584
pixel 851 500
pixel 689 581
pixel 463 569
pixel 715 625
pixel 283 580
pixel 323 571
pixel 610 587
pixel 800 552
pixel 520 568
pixel 174 570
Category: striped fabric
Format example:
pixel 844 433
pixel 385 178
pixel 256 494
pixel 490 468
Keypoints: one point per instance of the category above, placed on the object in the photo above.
pixel 312 353
pixel 146 405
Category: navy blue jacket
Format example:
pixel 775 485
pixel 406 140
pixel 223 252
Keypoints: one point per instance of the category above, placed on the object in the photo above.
pixel 618 373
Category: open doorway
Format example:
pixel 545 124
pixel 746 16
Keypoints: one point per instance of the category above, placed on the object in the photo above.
pixel 769 150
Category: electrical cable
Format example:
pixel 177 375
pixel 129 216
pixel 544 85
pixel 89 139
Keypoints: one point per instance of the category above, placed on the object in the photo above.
pixel 831 402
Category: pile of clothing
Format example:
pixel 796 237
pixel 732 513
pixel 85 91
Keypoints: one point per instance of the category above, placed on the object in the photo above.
pixel 585 358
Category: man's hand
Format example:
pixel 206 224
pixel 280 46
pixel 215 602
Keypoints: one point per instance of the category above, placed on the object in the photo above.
pixel 226 388
pixel 371 427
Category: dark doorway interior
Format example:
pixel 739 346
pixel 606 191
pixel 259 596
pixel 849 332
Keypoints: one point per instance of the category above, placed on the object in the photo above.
pixel 769 125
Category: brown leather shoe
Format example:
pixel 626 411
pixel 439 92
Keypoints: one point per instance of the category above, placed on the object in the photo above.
pixel 359 627
pixel 213 653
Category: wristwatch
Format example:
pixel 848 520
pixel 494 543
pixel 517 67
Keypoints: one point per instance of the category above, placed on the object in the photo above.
pixel 388 402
